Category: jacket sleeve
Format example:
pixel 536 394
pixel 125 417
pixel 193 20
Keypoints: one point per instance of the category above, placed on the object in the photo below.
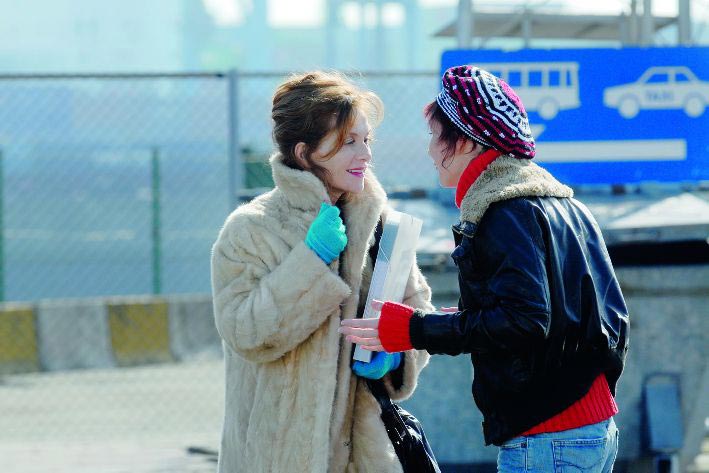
pixel 266 305
pixel 516 313
pixel 401 383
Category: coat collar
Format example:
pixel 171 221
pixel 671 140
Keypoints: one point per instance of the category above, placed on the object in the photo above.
pixel 507 178
pixel 472 172
pixel 303 190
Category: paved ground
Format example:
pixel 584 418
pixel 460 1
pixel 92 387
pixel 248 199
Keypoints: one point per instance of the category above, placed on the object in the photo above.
pixel 155 419
pixel 124 457
pixel 135 420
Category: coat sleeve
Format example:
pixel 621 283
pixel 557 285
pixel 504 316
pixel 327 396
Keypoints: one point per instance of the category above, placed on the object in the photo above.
pixel 266 305
pixel 402 382
pixel 516 314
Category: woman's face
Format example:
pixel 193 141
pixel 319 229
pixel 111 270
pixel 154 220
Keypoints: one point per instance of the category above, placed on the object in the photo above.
pixel 449 172
pixel 346 167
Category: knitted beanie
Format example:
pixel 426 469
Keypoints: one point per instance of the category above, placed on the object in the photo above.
pixel 487 110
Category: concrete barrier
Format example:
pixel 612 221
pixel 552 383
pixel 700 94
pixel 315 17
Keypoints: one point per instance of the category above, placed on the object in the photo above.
pixel 192 330
pixel 105 332
pixel 74 334
pixel 18 339
pixel 139 331
pixel 669 333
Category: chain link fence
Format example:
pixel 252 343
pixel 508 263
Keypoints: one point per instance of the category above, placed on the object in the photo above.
pixel 112 185
pixel 117 185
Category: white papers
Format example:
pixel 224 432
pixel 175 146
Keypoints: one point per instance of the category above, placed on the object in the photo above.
pixel 396 257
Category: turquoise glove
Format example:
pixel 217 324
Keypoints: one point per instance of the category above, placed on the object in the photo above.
pixel 326 235
pixel 381 364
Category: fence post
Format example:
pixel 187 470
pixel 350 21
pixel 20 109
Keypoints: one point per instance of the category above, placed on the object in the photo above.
pixel 236 165
pixel 2 228
pixel 155 178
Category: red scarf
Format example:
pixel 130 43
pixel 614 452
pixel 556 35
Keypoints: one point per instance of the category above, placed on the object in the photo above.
pixel 472 172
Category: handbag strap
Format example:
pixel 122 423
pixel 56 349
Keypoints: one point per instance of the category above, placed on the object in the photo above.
pixel 374 249
pixel 376 386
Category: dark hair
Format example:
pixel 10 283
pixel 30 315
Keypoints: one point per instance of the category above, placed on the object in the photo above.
pixel 308 107
pixel 450 133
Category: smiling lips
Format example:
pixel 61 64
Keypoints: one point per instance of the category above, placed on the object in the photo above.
pixel 357 172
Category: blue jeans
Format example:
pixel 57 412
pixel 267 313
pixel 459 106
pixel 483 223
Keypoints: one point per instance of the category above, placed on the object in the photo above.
pixel 591 449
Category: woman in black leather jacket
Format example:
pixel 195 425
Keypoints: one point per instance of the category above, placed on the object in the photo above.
pixel 541 312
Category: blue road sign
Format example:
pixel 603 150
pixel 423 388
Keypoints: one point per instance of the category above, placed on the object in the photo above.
pixel 610 116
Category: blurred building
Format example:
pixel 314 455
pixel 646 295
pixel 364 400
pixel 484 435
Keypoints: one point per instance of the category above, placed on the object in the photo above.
pixel 88 36
pixel 264 35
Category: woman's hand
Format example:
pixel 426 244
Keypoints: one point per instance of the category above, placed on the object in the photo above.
pixel 394 324
pixel 364 332
pixel 326 235
pixel 381 364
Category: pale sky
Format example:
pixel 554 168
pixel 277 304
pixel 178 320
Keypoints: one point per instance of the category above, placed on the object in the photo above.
pixel 310 13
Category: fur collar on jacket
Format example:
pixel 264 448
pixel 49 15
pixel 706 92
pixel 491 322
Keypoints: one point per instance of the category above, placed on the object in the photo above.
pixel 508 178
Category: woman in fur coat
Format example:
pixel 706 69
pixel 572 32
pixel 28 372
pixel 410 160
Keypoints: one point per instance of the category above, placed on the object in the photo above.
pixel 286 269
pixel 541 312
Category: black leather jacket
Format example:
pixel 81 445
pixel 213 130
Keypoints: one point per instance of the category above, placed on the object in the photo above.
pixel 541 312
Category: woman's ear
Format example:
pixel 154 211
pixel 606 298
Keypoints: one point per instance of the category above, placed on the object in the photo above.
pixel 465 146
pixel 300 152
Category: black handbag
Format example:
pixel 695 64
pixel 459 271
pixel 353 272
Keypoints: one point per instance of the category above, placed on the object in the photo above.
pixel 404 430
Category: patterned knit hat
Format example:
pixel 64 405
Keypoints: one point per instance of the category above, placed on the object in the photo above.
pixel 486 109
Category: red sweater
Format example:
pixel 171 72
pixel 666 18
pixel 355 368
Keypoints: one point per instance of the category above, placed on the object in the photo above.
pixel 595 406
pixel 471 173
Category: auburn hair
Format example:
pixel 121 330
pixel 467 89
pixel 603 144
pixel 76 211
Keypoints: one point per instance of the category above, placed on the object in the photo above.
pixel 308 107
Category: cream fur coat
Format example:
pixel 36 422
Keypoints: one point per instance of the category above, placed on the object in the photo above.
pixel 292 401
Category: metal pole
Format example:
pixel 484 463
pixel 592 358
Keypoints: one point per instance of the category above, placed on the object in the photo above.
pixel 527 28
pixel 256 26
pixel 379 36
pixel 236 165
pixel 155 178
pixel 648 27
pixel 332 9
pixel 465 23
pixel 624 30
pixel 363 48
pixel 413 34
pixel 684 27
pixel 633 25
pixel 2 228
